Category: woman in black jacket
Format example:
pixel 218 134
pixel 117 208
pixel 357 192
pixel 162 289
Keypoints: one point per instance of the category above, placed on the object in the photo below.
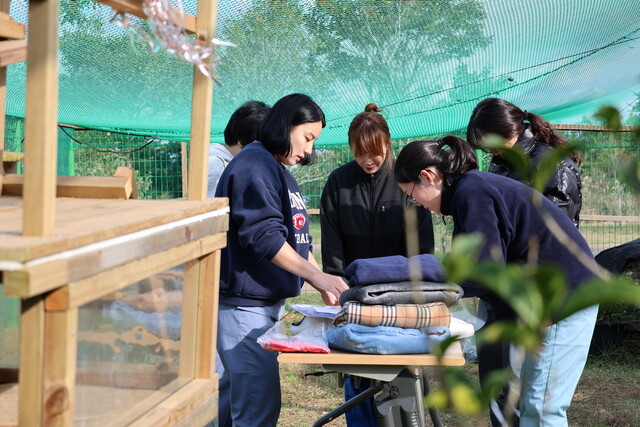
pixel 362 216
pixel 362 208
pixel 535 136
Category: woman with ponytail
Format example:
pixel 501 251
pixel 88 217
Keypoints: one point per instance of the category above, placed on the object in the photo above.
pixel 529 131
pixel 362 216
pixel 442 176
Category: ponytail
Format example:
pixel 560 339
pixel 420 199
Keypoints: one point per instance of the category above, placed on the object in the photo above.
pixel 542 131
pixel 449 155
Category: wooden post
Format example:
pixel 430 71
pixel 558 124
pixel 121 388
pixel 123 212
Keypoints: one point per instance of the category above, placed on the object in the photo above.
pixel 185 169
pixel 201 107
pixel 30 398
pixel 60 346
pixel 41 118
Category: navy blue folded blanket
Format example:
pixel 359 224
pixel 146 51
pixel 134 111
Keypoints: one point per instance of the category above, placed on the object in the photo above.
pixel 404 293
pixel 395 268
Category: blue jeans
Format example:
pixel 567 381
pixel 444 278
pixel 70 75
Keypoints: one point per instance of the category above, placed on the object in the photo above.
pixel 250 383
pixel 549 378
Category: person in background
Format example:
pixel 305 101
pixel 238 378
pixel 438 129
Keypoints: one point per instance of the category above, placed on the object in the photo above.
pixel 242 129
pixel 362 216
pixel 529 131
pixel 445 180
pixel 267 258
pixel 534 135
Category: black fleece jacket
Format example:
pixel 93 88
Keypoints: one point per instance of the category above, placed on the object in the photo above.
pixel 362 216
pixel 564 188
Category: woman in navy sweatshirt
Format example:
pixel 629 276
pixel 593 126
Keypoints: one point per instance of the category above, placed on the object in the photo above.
pixel 441 175
pixel 267 259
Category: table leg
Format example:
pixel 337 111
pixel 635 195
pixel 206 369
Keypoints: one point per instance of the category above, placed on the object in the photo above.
pixel 349 404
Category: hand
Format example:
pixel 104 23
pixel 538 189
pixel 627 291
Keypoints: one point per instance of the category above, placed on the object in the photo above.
pixel 330 287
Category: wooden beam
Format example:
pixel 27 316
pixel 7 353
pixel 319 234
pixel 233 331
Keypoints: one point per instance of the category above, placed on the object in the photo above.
pixel 12 51
pixel 200 317
pixel 609 218
pixel 90 187
pixel 30 400
pixel 41 119
pixel 201 107
pixel 42 275
pixel 601 128
pixel 184 153
pixel 9 28
pixel 178 405
pixel 84 291
pixel 61 329
pixel 134 7
pixel 130 174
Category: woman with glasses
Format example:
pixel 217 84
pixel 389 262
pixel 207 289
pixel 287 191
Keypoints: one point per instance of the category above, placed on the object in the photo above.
pixel 362 216
pixel 267 258
pixel 441 175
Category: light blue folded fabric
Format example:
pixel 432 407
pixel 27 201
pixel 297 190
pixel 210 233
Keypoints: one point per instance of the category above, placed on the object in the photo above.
pixel 394 268
pixel 385 339
pixel 161 324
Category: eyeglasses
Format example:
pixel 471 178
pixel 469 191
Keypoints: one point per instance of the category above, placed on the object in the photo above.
pixel 411 199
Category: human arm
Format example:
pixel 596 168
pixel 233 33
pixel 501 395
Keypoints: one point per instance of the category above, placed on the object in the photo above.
pixel 330 287
pixel 332 246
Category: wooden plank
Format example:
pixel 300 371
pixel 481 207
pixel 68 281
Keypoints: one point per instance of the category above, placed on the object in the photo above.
pixel 609 218
pixel 60 367
pixel 30 412
pixel 12 51
pixel 208 317
pixel 41 275
pixel 600 128
pixel 93 187
pixel 41 119
pixel 185 171
pixel 201 106
pixel 147 404
pixel 80 222
pixel 130 174
pixel 189 325
pixel 201 415
pixel 84 291
pixel 9 28
pixel 134 7
pixel 200 317
pixel 178 405
pixel 453 357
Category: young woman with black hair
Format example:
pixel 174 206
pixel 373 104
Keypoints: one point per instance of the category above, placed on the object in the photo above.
pixel 536 137
pixel 441 175
pixel 362 216
pixel 266 260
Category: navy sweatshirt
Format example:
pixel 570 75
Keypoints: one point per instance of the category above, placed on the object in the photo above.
pixel 501 210
pixel 266 209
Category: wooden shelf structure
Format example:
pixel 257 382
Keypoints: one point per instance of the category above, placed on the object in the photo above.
pixel 67 242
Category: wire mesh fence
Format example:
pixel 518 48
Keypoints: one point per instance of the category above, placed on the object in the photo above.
pixel 609 211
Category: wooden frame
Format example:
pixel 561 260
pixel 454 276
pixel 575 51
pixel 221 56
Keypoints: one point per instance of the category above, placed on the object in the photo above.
pixel 59 254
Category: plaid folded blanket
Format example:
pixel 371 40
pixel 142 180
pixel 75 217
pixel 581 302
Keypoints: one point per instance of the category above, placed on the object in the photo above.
pixel 403 293
pixel 414 316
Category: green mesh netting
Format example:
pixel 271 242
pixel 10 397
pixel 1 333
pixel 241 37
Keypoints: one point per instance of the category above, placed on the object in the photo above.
pixel 427 62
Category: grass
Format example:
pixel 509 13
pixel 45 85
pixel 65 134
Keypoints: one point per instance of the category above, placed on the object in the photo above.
pixel 607 395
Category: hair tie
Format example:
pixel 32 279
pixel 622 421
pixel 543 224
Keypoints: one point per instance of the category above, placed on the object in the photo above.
pixel 526 116
pixel 440 142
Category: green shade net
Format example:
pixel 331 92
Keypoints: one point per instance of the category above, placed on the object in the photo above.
pixel 426 62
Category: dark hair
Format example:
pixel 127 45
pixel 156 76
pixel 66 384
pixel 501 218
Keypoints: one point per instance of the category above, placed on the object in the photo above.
pixel 309 159
pixel 290 111
pixel 419 155
pixel 369 133
pixel 244 124
pixel 502 118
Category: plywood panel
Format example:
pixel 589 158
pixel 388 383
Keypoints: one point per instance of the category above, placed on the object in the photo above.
pixel 80 222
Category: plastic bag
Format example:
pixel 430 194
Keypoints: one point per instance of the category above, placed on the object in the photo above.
pixel 310 337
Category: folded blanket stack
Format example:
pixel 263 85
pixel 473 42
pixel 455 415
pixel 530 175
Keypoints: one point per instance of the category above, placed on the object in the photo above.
pixel 395 305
